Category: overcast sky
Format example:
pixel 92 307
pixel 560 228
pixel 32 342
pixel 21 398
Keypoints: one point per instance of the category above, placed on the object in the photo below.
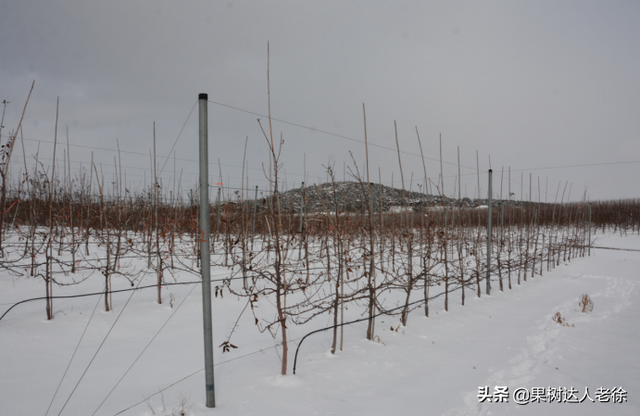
pixel 550 89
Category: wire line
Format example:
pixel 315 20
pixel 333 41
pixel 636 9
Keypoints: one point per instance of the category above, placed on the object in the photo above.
pixel 97 351
pixel 179 134
pixel 73 356
pixel 145 349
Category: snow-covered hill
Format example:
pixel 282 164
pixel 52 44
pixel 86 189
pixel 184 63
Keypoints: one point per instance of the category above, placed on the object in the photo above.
pixel 351 196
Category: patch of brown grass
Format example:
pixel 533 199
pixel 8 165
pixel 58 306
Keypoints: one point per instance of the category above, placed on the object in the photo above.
pixel 586 303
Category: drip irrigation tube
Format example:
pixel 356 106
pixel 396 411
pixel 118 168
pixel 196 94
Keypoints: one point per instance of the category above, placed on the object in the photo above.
pixel 112 291
pixel 118 291
pixel 295 359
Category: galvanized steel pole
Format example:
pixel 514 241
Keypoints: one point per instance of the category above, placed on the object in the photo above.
pixel 589 228
pixel 255 210
pixel 489 235
pixel 204 252
pixel 301 222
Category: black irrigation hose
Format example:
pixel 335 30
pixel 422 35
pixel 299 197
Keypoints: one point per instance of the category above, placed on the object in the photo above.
pixel 113 291
pixel 612 248
pixel 66 262
pixel 116 291
pixel 295 359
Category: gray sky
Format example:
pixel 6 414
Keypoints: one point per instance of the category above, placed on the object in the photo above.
pixel 548 88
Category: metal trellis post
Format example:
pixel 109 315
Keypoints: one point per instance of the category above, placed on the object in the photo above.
pixel 489 235
pixel 204 252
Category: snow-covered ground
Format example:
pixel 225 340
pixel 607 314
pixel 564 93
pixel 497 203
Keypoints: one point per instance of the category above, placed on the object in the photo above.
pixel 144 359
